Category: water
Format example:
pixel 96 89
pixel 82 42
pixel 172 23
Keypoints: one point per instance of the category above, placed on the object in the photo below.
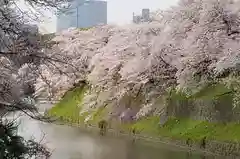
pixel 71 143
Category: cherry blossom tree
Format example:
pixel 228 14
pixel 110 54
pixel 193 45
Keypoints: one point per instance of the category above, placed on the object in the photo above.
pixel 21 53
pixel 186 47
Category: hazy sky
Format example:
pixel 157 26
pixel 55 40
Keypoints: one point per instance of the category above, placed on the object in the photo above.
pixel 120 11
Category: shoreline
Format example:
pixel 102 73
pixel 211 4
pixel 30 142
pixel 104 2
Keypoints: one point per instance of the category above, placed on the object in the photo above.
pixel 216 148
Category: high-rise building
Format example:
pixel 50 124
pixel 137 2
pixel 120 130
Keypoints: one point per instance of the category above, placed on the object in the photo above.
pixel 145 17
pixel 82 14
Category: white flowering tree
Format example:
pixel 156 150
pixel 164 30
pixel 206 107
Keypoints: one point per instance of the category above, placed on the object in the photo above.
pixel 186 47
pixel 20 55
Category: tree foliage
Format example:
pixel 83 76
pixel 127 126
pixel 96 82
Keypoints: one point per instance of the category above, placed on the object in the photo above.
pixel 13 146
pixel 186 46
pixel 21 52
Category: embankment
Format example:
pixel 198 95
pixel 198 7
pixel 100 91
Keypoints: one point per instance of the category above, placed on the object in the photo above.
pixel 205 121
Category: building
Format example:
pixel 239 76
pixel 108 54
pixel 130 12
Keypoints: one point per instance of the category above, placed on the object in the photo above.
pixel 82 14
pixel 145 17
pixel 32 28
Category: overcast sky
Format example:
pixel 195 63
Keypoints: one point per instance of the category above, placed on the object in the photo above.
pixel 119 11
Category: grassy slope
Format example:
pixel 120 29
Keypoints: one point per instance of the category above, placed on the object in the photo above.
pixel 67 108
pixel 185 128
pixel 174 128
pixel 70 106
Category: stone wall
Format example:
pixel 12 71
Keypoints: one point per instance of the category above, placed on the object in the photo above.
pixel 210 108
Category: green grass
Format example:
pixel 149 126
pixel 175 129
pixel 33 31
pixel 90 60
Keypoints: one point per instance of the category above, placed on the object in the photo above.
pixel 189 129
pixel 69 107
pixel 183 129
pixel 211 91
pixel 98 115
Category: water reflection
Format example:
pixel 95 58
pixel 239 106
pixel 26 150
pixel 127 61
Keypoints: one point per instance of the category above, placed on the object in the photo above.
pixel 71 143
pixel 144 152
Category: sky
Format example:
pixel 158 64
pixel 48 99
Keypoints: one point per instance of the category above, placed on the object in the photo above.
pixel 119 11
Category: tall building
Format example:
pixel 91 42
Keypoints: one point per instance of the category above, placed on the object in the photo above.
pixel 145 17
pixel 82 14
